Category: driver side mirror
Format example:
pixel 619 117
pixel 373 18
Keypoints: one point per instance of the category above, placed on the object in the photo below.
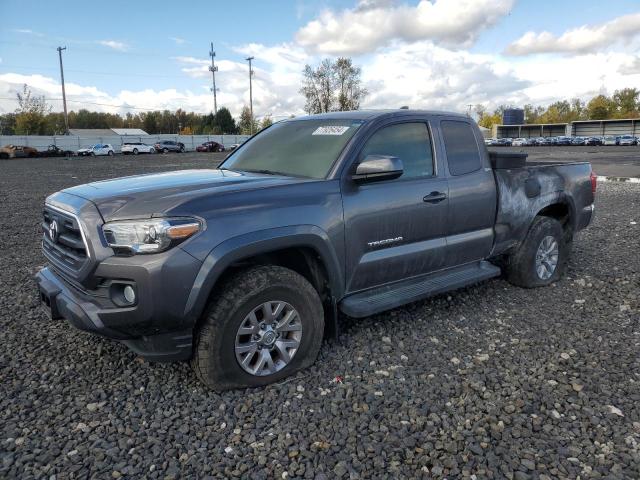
pixel 375 168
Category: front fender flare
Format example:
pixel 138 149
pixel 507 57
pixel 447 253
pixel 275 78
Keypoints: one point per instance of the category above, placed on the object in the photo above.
pixel 254 243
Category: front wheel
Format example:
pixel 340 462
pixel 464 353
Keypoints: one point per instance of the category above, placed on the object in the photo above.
pixel 265 324
pixel 181 150
pixel 542 257
pixel 152 150
pixel 165 150
pixel 135 151
pixel 111 153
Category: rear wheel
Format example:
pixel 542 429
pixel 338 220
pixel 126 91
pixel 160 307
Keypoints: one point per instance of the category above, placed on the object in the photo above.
pixel 152 150
pixel 135 151
pixel 542 257
pixel 265 324
pixel 165 150
pixel 181 150
pixel 110 153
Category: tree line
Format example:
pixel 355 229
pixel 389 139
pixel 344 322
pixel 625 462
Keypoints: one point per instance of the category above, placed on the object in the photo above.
pixel 623 103
pixel 34 117
pixel 332 85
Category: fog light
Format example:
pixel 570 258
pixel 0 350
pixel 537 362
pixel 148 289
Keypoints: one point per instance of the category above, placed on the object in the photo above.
pixel 129 294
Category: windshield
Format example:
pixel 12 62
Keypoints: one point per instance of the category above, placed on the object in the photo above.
pixel 299 148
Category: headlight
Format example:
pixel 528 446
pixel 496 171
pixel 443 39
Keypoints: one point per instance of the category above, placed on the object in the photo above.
pixel 149 236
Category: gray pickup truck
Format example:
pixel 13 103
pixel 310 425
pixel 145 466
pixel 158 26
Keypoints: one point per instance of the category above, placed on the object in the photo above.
pixel 243 269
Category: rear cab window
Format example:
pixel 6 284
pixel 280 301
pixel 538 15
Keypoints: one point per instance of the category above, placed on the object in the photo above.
pixel 463 154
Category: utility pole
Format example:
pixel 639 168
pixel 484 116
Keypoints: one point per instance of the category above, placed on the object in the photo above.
pixel 469 109
pixel 64 96
pixel 250 93
pixel 213 69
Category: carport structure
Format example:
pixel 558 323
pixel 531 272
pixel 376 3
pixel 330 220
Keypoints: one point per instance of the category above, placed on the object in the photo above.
pixel 598 128
pixel 532 130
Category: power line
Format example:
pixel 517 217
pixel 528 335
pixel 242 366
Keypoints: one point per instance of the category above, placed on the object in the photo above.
pixel 64 96
pixel 213 69
pixel 250 94
pixel 91 72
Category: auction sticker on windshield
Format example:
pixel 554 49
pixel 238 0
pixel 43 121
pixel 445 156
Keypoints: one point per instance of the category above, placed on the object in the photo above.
pixel 330 130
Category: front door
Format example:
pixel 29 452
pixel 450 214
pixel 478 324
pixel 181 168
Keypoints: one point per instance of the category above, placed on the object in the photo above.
pixel 396 228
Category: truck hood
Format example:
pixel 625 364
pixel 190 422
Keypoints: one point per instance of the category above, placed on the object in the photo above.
pixel 144 196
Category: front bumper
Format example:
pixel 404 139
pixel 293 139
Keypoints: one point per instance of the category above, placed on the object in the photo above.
pixel 155 327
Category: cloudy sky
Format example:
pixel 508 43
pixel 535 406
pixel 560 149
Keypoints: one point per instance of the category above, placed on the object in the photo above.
pixel 441 54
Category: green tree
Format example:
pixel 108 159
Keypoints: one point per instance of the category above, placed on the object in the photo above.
pixel 266 122
pixel 332 86
pixel 30 115
pixel 627 102
pixel 348 85
pixel 600 108
pixel 225 121
pixel 247 125
pixel 8 124
pixel 488 120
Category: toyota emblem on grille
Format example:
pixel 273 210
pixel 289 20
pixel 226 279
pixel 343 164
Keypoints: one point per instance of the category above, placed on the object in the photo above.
pixel 53 231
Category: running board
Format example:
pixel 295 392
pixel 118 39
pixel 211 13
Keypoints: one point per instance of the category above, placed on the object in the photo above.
pixel 400 293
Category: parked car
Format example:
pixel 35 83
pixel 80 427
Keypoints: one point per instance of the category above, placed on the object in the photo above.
pixel 563 141
pixel 137 147
pixel 96 150
pixel 520 142
pixel 210 147
pixel 593 141
pixel 167 146
pixel 609 140
pixel 240 269
pixel 544 141
pixel 490 142
pixel 577 140
pixel 627 140
pixel 504 142
pixel 17 151
pixel 55 151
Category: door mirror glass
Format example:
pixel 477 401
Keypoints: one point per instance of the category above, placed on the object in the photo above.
pixel 375 168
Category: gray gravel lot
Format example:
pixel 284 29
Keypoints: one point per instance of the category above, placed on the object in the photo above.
pixel 616 161
pixel 493 381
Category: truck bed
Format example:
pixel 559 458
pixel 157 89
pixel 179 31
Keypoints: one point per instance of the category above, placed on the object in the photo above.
pixel 525 191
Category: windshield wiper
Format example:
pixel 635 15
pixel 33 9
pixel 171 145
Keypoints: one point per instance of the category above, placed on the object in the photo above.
pixel 267 172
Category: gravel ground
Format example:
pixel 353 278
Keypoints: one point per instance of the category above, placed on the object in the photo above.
pixel 491 381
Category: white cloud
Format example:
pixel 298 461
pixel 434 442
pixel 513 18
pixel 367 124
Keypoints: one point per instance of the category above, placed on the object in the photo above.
pixel 427 76
pixel 374 23
pixel 121 46
pixel 632 67
pixel 178 40
pixel 587 38
pixel 28 31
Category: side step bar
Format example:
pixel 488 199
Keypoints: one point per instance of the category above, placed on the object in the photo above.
pixel 400 293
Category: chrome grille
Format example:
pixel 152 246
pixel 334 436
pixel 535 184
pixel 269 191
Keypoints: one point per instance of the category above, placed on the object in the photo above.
pixel 67 248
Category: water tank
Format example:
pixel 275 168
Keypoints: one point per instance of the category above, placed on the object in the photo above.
pixel 513 116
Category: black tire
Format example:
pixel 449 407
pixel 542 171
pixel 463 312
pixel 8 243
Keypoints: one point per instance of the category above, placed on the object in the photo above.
pixel 181 150
pixel 214 360
pixel 521 265
pixel 4 156
pixel 135 151
pixel 165 150
pixel 110 153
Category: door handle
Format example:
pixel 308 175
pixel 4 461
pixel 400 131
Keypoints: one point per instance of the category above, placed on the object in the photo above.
pixel 435 197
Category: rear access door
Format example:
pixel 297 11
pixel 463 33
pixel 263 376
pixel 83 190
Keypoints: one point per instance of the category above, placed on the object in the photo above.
pixel 472 193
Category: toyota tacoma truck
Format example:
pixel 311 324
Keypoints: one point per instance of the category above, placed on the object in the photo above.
pixel 243 269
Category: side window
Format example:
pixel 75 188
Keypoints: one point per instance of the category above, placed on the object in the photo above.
pixel 410 142
pixel 461 147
